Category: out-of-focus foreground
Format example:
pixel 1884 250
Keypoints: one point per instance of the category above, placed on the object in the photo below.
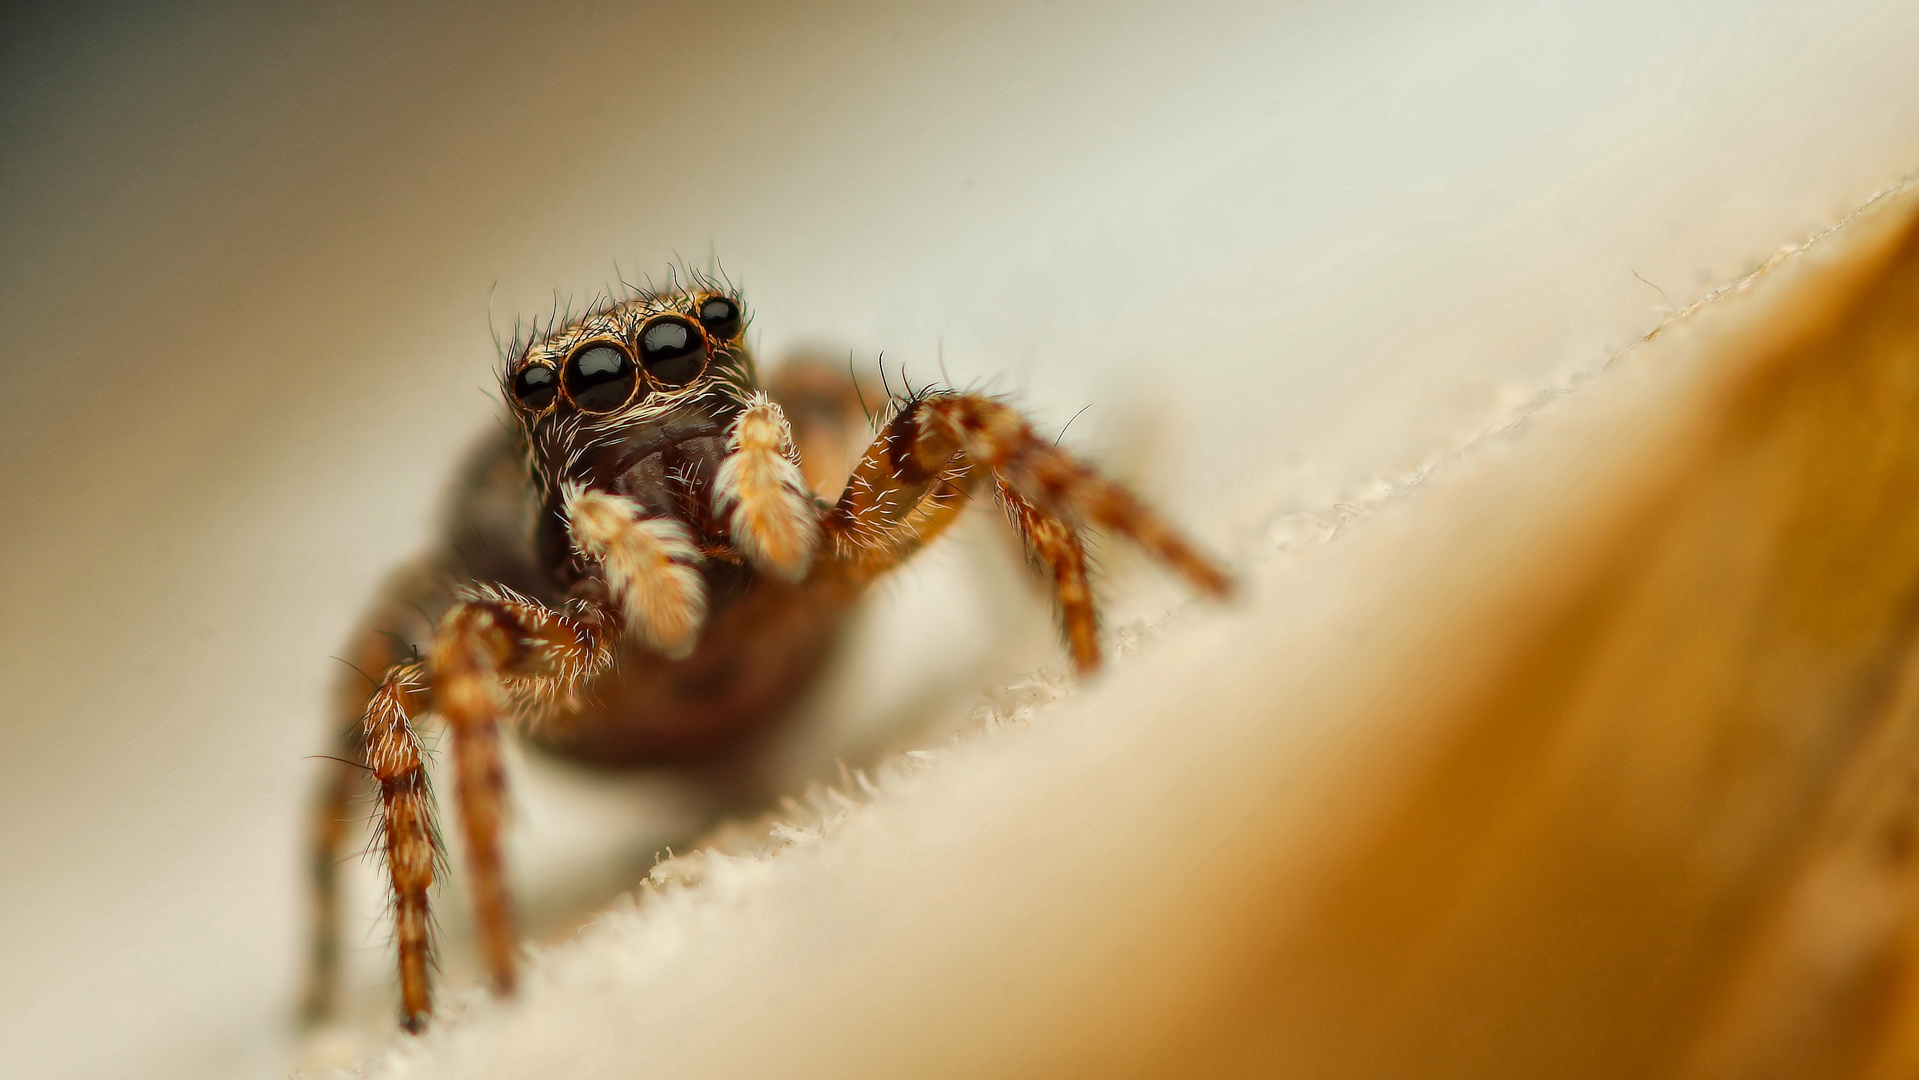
pixel 1292 255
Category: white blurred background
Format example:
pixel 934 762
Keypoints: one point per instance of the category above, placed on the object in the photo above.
pixel 248 261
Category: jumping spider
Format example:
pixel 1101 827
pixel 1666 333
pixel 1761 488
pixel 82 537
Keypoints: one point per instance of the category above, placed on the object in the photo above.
pixel 650 572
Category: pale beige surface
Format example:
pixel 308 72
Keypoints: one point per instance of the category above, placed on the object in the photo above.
pixel 248 262
pixel 1614 783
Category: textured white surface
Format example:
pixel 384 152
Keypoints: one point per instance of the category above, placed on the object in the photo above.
pixel 247 278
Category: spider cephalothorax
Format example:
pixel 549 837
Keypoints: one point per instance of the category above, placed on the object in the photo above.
pixel 652 370
pixel 650 569
pixel 654 453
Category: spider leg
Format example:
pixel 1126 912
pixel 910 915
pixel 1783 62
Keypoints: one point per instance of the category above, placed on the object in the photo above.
pixel 332 805
pixel 408 837
pixel 763 496
pixel 475 642
pixel 491 645
pixel 651 565
pixel 1057 548
pixel 981 430
pixel 935 448
pixel 386 641
pixel 886 516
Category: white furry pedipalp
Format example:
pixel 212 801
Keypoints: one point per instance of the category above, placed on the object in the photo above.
pixel 650 563
pixel 767 505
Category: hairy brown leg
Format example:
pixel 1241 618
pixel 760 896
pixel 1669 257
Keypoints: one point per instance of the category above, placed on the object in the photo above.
pixel 397 621
pixel 1056 547
pixel 883 518
pixel 408 838
pixel 332 806
pixel 978 430
pixel 475 643
pixel 486 645
pixel 931 452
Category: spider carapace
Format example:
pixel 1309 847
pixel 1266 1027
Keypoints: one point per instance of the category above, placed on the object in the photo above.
pixel 651 565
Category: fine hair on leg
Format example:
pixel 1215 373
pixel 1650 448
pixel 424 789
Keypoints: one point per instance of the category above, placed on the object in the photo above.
pixel 928 456
pixel 491 648
pixel 383 642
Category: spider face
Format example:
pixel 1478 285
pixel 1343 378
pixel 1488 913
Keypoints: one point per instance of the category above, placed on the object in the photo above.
pixel 609 368
pixel 635 399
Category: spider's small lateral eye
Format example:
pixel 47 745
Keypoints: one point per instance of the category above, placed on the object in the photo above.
pixel 673 350
pixel 599 378
pixel 534 388
pixel 721 317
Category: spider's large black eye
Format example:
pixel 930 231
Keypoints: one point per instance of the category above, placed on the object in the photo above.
pixel 534 387
pixel 599 378
pixel 673 350
pixel 721 317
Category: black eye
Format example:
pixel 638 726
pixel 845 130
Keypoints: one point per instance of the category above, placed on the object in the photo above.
pixel 599 378
pixel 533 388
pixel 673 350
pixel 721 317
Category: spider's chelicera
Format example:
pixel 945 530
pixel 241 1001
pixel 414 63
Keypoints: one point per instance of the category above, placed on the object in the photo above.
pixel 653 564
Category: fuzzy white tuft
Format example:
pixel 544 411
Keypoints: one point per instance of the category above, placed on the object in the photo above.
pixel 650 563
pixel 765 499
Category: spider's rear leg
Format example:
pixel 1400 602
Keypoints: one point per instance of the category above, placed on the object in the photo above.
pixel 932 452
